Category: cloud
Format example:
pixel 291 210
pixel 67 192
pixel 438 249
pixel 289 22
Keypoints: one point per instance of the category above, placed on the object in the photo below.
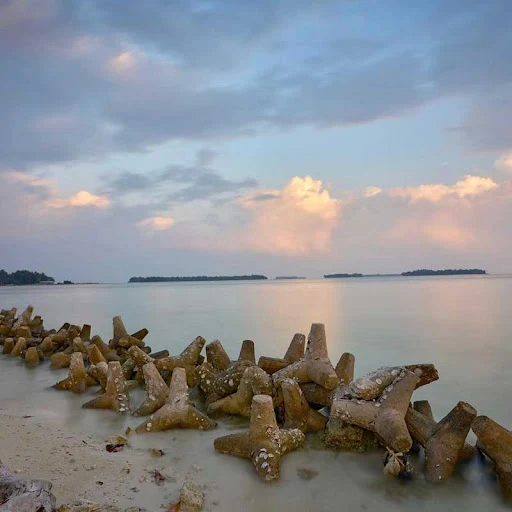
pixel 372 191
pixel 181 183
pixel 298 220
pixel 154 224
pixel 79 200
pixel 468 186
pixel 504 162
pixel 111 84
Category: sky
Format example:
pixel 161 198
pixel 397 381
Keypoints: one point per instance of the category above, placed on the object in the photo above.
pixel 240 136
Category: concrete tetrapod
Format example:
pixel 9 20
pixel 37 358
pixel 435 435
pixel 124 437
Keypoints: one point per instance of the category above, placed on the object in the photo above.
pixel 443 441
pixel 20 346
pixel 297 412
pixel 187 360
pixel 295 352
pixel 76 381
pixel 315 366
pixel 95 355
pixel 121 338
pixel 8 346
pixel 217 356
pixel 496 442
pixel 178 411
pixel 247 352
pixel 217 385
pixel 99 373
pixel 386 417
pixel 116 395
pixel 423 407
pixel 254 381
pixel 321 397
pixel 32 357
pixel 373 384
pixel 108 353
pixel 156 391
pixel 265 443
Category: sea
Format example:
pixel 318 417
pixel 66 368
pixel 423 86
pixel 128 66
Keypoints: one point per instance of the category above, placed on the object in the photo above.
pixel 462 324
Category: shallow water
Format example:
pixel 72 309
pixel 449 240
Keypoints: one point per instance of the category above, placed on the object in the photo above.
pixel 462 324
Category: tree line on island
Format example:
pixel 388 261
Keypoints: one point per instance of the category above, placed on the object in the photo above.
pixel 157 279
pixel 26 277
pixel 420 272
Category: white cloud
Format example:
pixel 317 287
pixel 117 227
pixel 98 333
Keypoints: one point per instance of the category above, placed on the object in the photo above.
pixel 504 163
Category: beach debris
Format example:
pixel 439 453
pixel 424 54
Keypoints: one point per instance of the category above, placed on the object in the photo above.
pixel 294 353
pixel 496 442
pixel 384 417
pixel 178 411
pixel 297 412
pixel 255 381
pixel 116 394
pixel 397 464
pixel 157 477
pixel 264 443
pixel 191 498
pixel 155 452
pixel 76 381
pixel 24 494
pixel 443 441
pixel 217 385
pixel 188 360
pixel 156 391
pixel 315 366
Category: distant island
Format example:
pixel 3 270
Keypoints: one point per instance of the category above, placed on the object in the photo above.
pixel 449 272
pixel 21 277
pixel 289 277
pixel 153 279
pixel 336 276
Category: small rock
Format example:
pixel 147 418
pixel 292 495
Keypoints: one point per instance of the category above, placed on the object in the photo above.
pixel 191 498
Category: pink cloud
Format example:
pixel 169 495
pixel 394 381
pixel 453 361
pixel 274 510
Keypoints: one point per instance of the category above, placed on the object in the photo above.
pixel 154 224
pixel 80 199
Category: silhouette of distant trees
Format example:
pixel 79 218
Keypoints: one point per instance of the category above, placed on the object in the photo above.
pixel 23 277
pixel 331 276
pixel 156 279
pixel 448 272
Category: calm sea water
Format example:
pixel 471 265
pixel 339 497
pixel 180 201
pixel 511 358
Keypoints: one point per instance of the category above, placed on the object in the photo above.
pixel 461 324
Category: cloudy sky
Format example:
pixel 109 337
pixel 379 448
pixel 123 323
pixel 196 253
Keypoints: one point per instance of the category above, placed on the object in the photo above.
pixel 239 136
